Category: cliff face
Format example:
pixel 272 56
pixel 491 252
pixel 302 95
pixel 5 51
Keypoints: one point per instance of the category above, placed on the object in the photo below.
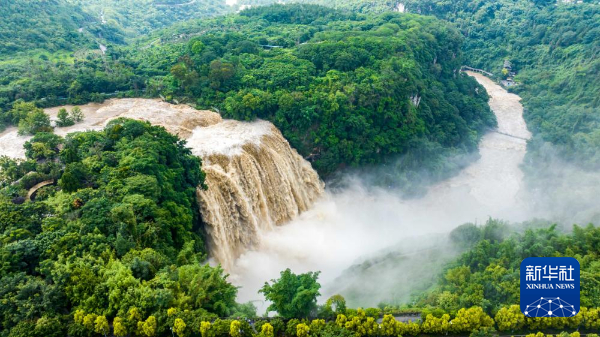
pixel 255 179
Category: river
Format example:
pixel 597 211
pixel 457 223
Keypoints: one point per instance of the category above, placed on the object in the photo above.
pixel 344 227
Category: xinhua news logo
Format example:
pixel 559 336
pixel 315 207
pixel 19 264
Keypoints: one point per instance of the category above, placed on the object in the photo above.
pixel 550 287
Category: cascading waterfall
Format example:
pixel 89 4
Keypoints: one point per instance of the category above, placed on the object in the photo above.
pixel 255 179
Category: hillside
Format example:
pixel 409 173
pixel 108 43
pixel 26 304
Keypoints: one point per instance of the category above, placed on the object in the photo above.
pixel 69 25
pixel 138 17
pixel 554 51
pixel 346 91
pixel 552 47
pixel 53 26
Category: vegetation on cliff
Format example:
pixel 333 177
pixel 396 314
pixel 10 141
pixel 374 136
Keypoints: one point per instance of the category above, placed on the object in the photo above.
pixel 119 233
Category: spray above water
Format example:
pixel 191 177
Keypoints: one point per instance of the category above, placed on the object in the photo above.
pixel 347 226
pixel 255 180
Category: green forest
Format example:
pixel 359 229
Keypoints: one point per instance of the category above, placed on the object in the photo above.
pixel 554 51
pixel 345 91
pixel 49 26
pixel 114 244
pixel 115 247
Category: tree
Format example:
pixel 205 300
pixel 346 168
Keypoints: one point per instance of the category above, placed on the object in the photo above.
pixel 63 118
pixel 101 325
pixel 235 329
pixel 266 330
pixel 389 326
pixel 317 325
pixel 591 318
pixel 435 325
pixel 36 121
pixel 362 325
pixel 74 177
pixel 510 319
pixel 336 304
pixel 77 114
pixel 469 320
pixel 49 327
pixel 341 320
pixel 149 326
pixel 179 327
pixel 205 329
pixel 197 47
pixel 302 330
pixel 89 322
pixel 43 145
pixel 20 110
pixel 293 295
pixel 119 329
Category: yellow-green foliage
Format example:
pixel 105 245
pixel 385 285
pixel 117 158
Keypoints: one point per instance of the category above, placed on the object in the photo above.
pixel 591 318
pixel 89 321
pixel 410 328
pixel 101 325
pixel 78 316
pixel 362 325
pixel 317 325
pixel 302 330
pixel 205 329
pixel 266 330
pixel 119 329
pixel 179 327
pixel 341 320
pixel 149 327
pixel 390 326
pixel 435 325
pixel 468 320
pixel 235 328
pixel 510 319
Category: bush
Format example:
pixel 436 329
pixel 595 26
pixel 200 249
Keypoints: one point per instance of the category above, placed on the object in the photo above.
pixel 64 119
pixel 76 114
pixel 36 121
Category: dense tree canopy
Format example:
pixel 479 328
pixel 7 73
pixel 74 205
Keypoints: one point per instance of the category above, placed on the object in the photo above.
pixel 292 295
pixel 553 49
pixel 346 91
pixel 487 275
pixel 119 232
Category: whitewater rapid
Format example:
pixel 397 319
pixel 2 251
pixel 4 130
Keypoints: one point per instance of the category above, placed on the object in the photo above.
pixel 344 227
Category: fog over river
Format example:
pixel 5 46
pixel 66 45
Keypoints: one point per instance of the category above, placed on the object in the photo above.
pixel 344 226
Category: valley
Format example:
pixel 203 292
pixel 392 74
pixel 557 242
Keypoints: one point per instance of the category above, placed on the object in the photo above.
pixel 246 168
pixel 348 226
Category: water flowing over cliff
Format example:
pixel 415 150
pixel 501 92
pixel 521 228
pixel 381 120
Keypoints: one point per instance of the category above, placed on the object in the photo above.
pixel 255 180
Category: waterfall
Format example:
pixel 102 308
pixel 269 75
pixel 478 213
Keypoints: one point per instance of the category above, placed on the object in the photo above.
pixel 256 181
